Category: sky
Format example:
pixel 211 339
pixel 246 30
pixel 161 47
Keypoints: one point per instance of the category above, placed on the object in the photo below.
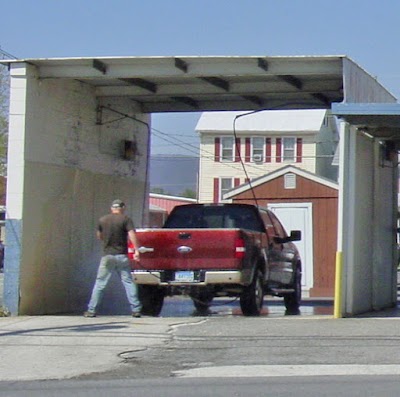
pixel 367 31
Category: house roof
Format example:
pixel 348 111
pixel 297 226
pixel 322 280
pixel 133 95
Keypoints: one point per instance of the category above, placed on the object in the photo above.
pixel 156 208
pixel 174 198
pixel 276 174
pixel 211 83
pixel 305 120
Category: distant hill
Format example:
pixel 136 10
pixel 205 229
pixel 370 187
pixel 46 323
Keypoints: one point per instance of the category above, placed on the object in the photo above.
pixel 174 173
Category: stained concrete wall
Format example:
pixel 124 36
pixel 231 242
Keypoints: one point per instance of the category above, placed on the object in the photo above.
pixel 65 167
pixel 369 232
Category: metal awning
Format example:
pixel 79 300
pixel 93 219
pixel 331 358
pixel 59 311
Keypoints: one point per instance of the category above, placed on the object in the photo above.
pixel 379 120
pixel 179 84
pixel 202 83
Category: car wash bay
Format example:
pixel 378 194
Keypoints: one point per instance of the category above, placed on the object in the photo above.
pixel 79 136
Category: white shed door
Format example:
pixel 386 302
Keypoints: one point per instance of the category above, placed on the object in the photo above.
pixel 298 216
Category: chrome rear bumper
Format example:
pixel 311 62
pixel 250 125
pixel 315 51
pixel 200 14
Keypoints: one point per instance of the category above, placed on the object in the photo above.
pixel 211 277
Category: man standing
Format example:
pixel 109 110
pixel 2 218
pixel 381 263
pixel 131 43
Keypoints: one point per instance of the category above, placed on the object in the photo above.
pixel 114 230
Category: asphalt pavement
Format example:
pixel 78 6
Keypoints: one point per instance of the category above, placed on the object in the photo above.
pixel 64 347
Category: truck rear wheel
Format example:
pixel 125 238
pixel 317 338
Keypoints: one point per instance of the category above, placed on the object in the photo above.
pixel 293 299
pixel 152 299
pixel 252 297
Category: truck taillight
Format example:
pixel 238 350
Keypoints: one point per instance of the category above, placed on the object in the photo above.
pixel 131 250
pixel 240 248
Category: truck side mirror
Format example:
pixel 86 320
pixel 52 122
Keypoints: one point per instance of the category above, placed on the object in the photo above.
pixel 295 235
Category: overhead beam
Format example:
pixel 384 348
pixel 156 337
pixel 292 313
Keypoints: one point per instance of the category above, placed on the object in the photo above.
pixel 221 104
pixel 187 101
pixel 100 66
pixel 181 65
pixel 142 83
pixel 294 81
pixel 323 98
pixel 262 64
pixel 256 87
pixel 217 82
pixel 254 99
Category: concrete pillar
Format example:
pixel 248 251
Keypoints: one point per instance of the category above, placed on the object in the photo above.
pixel 66 164
pixel 366 224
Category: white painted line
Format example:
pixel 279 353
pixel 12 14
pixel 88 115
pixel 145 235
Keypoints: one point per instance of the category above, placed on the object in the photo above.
pixel 244 371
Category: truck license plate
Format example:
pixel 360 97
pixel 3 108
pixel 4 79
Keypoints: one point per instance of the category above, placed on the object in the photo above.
pixel 185 277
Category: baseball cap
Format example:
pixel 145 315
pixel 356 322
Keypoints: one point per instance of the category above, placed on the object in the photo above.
pixel 117 204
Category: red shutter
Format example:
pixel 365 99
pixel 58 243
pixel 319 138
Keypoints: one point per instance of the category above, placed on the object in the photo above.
pixel 267 150
pixel 216 190
pixel 247 151
pixel 278 150
pixel 217 144
pixel 237 182
pixel 237 150
pixel 299 156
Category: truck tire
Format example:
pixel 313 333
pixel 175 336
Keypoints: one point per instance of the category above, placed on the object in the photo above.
pixel 252 297
pixel 152 299
pixel 293 299
pixel 202 299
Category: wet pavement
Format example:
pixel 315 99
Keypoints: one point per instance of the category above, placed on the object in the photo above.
pixel 182 306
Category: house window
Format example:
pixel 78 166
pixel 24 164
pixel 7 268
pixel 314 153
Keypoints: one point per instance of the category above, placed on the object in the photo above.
pixel 225 185
pixel 227 148
pixel 289 149
pixel 257 149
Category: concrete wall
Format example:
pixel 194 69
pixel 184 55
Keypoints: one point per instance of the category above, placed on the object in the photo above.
pixel 65 168
pixel 326 144
pixel 369 236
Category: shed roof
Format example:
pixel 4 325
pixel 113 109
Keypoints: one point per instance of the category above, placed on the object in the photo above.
pixel 201 83
pixel 276 174
pixel 307 120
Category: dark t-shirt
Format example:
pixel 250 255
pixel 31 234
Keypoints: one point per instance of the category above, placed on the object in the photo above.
pixel 114 229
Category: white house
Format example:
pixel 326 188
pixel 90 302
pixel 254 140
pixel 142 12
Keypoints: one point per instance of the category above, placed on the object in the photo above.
pixel 236 147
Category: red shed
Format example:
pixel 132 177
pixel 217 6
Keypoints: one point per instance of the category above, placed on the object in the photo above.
pixel 161 205
pixel 304 201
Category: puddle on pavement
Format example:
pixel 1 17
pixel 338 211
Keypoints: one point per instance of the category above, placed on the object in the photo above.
pixel 183 307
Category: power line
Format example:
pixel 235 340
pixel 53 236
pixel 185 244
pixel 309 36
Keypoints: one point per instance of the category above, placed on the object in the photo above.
pixel 6 55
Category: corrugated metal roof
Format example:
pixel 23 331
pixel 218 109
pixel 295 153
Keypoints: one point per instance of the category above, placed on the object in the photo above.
pixel 201 83
pixel 306 120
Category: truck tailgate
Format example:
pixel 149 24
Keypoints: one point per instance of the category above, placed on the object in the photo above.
pixel 190 249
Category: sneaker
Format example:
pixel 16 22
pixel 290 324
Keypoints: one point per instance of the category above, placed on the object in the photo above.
pixel 136 314
pixel 89 314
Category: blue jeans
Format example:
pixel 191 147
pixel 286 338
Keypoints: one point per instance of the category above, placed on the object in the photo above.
pixel 120 264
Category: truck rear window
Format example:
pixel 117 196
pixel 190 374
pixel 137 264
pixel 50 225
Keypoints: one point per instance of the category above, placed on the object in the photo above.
pixel 214 217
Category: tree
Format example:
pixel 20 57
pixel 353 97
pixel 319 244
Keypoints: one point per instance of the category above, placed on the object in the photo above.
pixel 158 190
pixel 188 193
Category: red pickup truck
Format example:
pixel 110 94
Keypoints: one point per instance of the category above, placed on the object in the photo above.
pixel 213 250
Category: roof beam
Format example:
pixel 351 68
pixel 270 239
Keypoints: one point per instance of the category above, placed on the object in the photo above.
pixel 323 98
pixel 254 99
pixel 217 82
pixel 186 100
pixel 181 65
pixel 100 66
pixel 262 64
pixel 142 83
pixel 294 81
